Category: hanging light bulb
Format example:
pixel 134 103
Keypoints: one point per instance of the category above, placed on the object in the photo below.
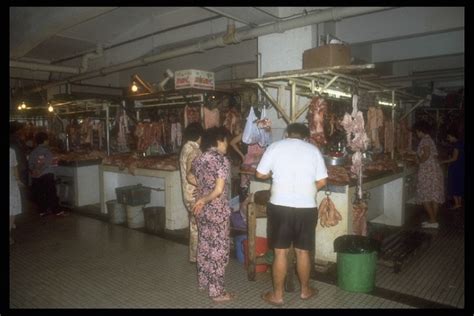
pixel 23 105
pixel 134 87
pixel 50 108
pixel 19 107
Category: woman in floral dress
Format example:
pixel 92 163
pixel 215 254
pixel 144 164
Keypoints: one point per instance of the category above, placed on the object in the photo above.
pixel 430 184
pixel 212 211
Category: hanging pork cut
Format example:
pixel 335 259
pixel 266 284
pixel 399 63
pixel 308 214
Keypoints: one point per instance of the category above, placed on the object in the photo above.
pixel 233 122
pixel 211 117
pixel 374 122
pixel 328 214
pixel 191 114
pixel 317 110
pixel 359 218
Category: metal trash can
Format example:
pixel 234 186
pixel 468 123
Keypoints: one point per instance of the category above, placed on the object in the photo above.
pixel 116 212
pixel 155 219
pixel 135 218
pixel 356 262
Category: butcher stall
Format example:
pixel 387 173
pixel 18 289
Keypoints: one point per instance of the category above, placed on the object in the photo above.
pixel 362 131
pixel 149 141
pixel 77 178
pixel 160 174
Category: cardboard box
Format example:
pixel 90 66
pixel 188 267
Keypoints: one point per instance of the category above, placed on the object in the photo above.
pixel 327 56
pixel 193 78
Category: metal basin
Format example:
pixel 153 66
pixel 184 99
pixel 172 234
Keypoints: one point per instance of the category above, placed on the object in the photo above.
pixel 335 161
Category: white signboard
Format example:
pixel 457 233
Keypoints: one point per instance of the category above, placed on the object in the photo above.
pixel 192 78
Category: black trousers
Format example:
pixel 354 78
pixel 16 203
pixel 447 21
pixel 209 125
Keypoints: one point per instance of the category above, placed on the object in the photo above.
pixel 44 194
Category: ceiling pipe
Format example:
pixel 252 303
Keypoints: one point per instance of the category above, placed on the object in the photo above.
pixel 333 14
pixel 43 67
pixel 85 59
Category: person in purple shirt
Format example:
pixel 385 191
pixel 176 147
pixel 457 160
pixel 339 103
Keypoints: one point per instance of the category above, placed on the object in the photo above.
pixel 43 187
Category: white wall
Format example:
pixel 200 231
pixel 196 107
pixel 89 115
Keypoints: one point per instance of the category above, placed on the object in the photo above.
pixel 282 52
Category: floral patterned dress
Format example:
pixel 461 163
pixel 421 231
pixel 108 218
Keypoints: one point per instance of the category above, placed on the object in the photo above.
pixel 430 186
pixel 213 222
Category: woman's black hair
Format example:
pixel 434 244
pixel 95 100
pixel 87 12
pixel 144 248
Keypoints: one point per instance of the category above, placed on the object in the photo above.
pixel 212 135
pixel 422 126
pixel 192 132
pixel 41 137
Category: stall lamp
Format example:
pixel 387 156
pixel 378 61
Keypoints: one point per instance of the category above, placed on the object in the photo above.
pixel 387 103
pixel 50 108
pixel 134 87
pixel 19 107
pixel 23 105
pixel 336 93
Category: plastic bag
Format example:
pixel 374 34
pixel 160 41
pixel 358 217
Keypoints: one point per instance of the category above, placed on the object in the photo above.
pixel 251 133
pixel 265 130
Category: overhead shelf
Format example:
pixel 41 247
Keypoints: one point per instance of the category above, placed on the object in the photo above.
pixel 338 80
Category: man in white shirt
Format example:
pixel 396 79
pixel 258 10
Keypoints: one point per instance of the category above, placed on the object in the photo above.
pixel 298 171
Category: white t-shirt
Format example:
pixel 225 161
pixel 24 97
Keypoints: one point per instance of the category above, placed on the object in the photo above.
pixel 296 166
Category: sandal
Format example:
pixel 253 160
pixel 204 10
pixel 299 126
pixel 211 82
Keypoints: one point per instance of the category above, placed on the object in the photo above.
pixel 269 298
pixel 226 297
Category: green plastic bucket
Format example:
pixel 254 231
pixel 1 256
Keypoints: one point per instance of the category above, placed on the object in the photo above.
pixel 356 262
pixel 356 272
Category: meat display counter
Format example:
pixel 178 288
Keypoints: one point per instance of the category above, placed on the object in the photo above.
pixel 77 182
pixel 171 198
pixel 389 192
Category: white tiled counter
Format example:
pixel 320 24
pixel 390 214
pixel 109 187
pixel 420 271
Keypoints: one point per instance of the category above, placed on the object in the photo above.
pixel 388 194
pixel 171 198
pixel 77 182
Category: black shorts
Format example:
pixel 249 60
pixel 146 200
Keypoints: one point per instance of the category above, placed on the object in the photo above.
pixel 288 225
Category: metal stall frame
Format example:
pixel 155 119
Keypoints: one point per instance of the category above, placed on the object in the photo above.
pixel 337 80
pixel 87 106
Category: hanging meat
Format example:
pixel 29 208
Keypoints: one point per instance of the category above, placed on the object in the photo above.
pixel 211 117
pixel 357 139
pixel 404 139
pixel 233 121
pixel 148 134
pixel 122 131
pixel 317 109
pixel 359 217
pixel 337 175
pixel 176 135
pixel 374 122
pixel 191 115
pixel 86 131
pixel 328 214
pixel 389 137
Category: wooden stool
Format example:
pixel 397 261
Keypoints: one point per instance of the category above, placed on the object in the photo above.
pixel 255 211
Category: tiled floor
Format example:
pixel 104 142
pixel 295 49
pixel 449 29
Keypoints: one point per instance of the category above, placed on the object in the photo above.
pixel 82 262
